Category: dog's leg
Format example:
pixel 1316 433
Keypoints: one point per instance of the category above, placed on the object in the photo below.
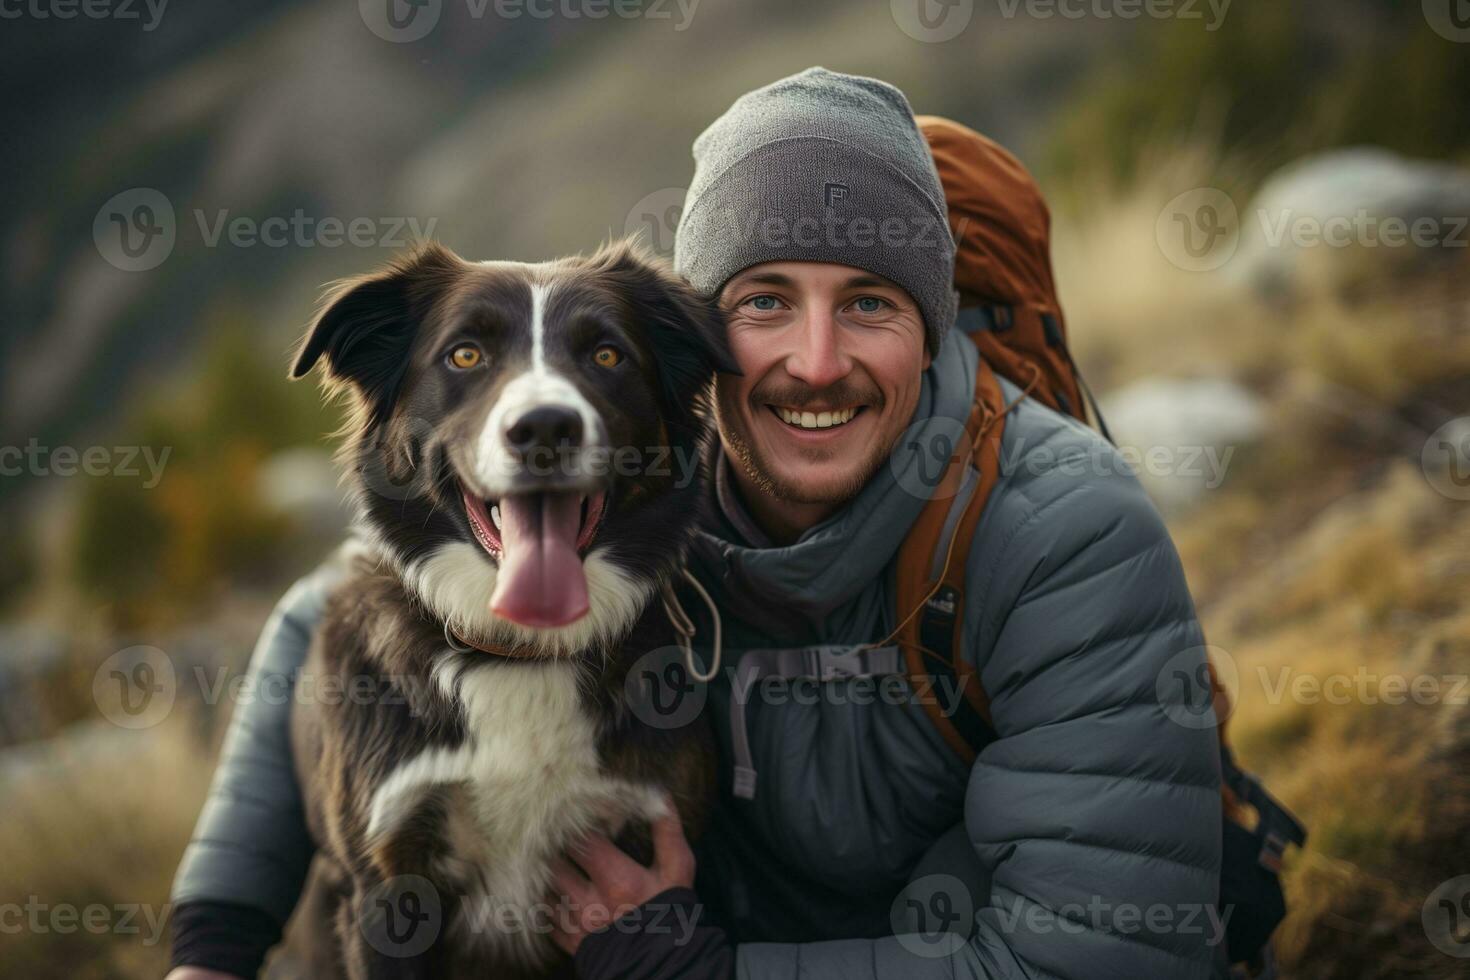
pixel 390 934
pixel 310 949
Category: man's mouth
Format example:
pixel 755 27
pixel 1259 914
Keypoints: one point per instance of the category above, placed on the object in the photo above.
pixel 538 539
pixel 798 418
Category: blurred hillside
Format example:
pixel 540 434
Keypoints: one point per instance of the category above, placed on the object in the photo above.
pixel 1328 546
pixel 527 137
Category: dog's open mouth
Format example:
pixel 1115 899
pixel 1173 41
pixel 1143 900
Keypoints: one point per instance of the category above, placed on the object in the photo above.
pixel 539 540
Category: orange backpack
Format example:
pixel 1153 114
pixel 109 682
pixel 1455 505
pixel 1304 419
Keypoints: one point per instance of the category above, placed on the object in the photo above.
pixel 1009 309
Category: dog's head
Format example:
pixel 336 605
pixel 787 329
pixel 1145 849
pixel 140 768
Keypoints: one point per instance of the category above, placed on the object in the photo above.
pixel 524 439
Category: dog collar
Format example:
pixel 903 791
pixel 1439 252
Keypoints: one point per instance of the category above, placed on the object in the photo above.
pixel 459 644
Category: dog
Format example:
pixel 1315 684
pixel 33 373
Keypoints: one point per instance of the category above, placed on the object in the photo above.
pixel 502 446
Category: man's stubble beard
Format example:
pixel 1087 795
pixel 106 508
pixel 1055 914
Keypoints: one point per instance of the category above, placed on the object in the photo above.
pixel 732 431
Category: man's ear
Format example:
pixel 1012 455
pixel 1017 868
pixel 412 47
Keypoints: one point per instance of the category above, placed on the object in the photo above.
pixel 366 325
pixel 687 330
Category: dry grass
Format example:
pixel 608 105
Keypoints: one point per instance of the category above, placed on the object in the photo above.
pixel 91 846
pixel 1325 559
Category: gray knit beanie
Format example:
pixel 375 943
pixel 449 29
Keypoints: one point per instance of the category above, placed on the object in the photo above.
pixel 820 167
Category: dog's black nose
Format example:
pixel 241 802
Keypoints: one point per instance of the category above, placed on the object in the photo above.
pixel 552 426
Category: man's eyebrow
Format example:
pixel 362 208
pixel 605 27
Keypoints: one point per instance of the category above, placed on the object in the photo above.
pixel 868 280
pixel 766 279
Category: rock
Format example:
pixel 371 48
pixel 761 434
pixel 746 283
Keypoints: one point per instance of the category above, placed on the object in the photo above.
pixel 1181 435
pixel 87 745
pixel 1352 220
pixel 31 658
pixel 302 483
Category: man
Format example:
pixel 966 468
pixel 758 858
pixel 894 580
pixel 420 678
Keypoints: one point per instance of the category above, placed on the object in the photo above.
pixel 1083 842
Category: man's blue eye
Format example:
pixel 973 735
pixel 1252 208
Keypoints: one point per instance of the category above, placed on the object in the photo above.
pixel 764 302
pixel 869 304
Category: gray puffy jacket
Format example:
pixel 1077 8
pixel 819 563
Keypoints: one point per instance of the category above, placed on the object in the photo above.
pixel 1083 843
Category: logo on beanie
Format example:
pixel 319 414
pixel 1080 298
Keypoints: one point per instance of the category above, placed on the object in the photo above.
pixel 833 193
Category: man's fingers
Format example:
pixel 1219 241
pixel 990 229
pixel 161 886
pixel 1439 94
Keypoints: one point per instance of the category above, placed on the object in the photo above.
pixel 571 885
pixel 672 857
pixel 600 858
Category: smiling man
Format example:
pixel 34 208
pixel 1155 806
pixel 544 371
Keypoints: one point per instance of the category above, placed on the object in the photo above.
pixel 833 361
pixel 1082 842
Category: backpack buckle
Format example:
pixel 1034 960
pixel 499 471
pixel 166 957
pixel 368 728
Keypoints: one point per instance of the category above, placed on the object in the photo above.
pixel 1276 827
pixel 1273 846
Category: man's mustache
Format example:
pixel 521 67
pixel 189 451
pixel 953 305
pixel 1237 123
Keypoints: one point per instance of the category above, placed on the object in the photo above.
pixel 797 395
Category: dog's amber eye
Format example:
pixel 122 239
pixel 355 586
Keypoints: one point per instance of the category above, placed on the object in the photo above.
pixel 607 357
pixel 465 356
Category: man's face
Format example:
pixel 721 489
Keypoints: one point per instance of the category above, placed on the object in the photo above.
pixel 833 358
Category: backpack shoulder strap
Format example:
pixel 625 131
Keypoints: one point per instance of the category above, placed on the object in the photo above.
pixel 930 585
pixel 930 577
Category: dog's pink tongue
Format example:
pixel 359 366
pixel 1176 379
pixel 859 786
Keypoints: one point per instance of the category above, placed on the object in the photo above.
pixel 541 581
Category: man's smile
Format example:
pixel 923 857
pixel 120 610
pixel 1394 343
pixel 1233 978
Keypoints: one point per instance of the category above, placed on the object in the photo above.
pixel 818 418
pixel 816 425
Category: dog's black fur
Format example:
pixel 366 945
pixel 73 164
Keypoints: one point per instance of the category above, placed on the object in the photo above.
pixel 443 766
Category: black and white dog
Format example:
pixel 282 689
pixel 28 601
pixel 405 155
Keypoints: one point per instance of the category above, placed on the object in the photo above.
pixel 523 446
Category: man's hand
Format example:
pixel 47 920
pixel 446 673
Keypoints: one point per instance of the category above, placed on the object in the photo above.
pixel 606 883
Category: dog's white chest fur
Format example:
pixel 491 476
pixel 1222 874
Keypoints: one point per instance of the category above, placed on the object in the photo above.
pixel 532 785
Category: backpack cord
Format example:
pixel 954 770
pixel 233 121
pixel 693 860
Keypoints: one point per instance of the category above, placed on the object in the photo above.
pixel 684 626
pixel 990 419
pixel 1102 425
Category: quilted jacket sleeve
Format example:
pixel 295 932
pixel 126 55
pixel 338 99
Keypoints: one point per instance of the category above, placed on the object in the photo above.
pixel 251 847
pixel 1095 815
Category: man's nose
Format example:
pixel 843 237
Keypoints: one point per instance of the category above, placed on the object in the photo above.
pixel 818 360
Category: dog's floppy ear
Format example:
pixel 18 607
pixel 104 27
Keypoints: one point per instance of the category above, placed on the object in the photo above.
pixel 365 325
pixel 687 329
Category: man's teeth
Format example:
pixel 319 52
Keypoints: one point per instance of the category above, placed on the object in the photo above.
pixel 816 420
